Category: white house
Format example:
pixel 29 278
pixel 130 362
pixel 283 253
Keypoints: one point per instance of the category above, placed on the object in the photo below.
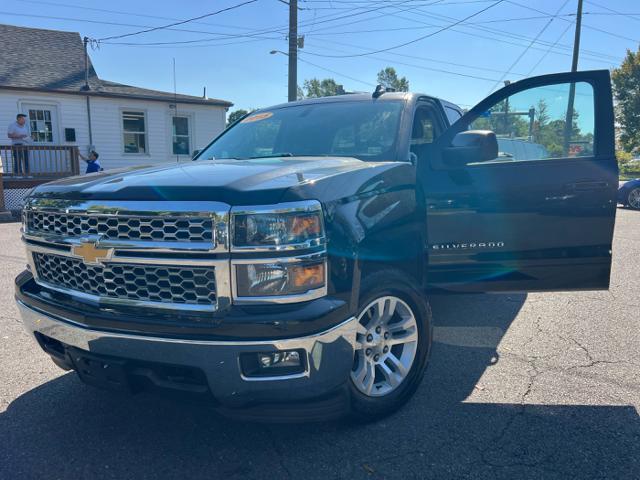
pixel 43 74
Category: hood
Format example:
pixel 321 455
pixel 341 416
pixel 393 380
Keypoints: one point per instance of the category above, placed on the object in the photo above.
pixel 235 182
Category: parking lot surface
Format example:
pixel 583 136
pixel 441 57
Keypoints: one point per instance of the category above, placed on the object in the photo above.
pixel 545 385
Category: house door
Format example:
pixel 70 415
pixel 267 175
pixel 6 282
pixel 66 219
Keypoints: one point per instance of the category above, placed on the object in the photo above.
pixel 43 121
pixel 45 131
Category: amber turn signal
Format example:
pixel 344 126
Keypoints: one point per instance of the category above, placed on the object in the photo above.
pixel 306 226
pixel 308 275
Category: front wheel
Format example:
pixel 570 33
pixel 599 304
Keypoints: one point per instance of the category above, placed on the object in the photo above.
pixel 633 198
pixel 393 343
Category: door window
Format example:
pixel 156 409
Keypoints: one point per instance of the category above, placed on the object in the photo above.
pixel 534 124
pixel 41 124
pixel 453 115
pixel 180 132
pixel 422 130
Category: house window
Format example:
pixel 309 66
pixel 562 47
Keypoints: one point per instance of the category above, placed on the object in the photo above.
pixel 181 138
pixel 134 128
pixel 40 121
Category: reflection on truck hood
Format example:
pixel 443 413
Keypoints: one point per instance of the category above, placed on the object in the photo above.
pixel 236 182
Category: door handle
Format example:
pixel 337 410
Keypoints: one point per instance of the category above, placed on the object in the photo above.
pixel 587 185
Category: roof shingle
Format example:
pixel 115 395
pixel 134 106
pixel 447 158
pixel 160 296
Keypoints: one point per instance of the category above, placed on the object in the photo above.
pixel 52 60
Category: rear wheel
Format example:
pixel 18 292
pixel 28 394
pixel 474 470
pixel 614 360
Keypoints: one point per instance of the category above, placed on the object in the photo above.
pixel 392 345
pixel 633 198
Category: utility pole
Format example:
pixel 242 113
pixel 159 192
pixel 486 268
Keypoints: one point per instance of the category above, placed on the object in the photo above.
pixel 568 125
pixel 293 50
pixel 86 63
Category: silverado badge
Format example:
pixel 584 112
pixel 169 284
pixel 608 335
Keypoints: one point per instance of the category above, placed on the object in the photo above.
pixel 91 254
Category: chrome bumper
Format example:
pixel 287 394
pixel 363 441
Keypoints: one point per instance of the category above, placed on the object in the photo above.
pixel 329 357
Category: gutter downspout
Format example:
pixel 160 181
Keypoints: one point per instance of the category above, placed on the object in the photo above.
pixel 89 120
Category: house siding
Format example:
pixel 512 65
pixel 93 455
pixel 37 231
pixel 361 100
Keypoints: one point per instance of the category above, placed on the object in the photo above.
pixel 71 113
pixel 106 115
pixel 206 121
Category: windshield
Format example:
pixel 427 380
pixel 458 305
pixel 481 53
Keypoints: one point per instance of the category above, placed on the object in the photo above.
pixel 365 130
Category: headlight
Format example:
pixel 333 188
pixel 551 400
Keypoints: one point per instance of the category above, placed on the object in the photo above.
pixel 279 278
pixel 290 227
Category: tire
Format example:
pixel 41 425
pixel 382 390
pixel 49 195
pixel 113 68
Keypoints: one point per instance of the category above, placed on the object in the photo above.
pixel 633 198
pixel 395 380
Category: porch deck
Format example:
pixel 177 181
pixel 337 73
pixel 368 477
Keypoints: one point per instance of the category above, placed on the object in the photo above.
pixel 24 167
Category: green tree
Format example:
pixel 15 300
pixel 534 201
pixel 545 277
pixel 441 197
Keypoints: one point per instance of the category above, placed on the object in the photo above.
pixel 542 113
pixel 389 78
pixel 236 115
pixel 313 88
pixel 626 88
pixel 502 122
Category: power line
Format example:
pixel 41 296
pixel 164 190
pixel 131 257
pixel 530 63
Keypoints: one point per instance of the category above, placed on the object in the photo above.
pixel 175 24
pixel 500 38
pixel 119 24
pixel 392 2
pixel 336 73
pixel 356 11
pixel 394 29
pixel 471 25
pixel 219 36
pixel 415 57
pixel 351 21
pixel 524 52
pixel 564 32
pixel 631 16
pixel 585 26
pixel 196 40
pixel 500 33
pixel 394 47
pixel 128 14
pixel 382 6
pixel 421 67
pixel 208 45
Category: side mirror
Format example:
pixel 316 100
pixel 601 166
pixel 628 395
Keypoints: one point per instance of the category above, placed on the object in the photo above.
pixel 471 146
pixel 195 154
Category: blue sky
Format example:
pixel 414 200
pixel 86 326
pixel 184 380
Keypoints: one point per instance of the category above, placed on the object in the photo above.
pixel 229 53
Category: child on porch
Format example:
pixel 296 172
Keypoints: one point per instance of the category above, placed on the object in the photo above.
pixel 92 162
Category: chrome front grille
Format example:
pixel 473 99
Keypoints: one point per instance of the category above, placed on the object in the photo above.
pixel 127 227
pixel 171 284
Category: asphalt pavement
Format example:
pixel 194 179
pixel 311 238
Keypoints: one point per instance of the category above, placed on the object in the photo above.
pixel 545 385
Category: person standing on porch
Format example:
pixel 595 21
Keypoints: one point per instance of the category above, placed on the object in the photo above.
pixel 20 135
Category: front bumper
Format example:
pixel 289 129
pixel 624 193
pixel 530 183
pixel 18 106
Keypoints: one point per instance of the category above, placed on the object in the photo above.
pixel 328 355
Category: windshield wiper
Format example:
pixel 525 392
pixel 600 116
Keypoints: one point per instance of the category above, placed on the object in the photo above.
pixel 274 155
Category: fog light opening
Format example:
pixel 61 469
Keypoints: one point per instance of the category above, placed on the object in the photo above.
pixel 273 364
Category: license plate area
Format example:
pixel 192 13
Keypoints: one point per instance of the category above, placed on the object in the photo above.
pixel 100 371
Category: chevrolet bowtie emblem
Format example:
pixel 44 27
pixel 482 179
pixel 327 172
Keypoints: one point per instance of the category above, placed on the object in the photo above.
pixel 91 253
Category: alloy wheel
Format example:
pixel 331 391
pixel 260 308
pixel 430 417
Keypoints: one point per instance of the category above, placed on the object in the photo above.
pixel 386 344
pixel 634 198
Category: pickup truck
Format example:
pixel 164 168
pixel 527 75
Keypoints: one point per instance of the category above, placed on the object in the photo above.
pixel 285 273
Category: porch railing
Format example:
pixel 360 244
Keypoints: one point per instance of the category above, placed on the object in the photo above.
pixel 39 161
